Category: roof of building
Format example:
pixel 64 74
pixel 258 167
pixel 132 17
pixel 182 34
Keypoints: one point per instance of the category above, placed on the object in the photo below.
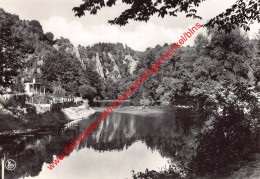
pixel 33 83
pixel 30 81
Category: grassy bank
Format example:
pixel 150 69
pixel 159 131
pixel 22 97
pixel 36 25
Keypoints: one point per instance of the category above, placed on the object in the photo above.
pixel 18 120
pixel 12 125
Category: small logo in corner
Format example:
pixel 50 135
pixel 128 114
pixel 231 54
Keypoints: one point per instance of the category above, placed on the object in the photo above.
pixel 10 164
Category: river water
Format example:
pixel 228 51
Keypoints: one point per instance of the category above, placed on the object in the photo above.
pixel 123 143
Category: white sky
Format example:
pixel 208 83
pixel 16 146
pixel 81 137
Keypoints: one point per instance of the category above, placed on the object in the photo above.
pixel 56 16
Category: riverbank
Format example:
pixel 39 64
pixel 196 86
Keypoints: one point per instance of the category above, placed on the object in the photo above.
pixel 142 110
pixel 42 108
pixel 31 120
pixel 138 110
pixel 78 113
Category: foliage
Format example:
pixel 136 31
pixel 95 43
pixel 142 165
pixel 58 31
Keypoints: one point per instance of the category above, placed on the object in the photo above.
pixel 61 69
pixel 242 13
pixel 41 99
pixel 141 10
pixel 9 50
pixel 87 92
pixel 14 101
pixel 107 68
pixel 50 37
pixel 58 91
pixel 26 53
pixel 215 77
pixel 217 62
pixel 232 137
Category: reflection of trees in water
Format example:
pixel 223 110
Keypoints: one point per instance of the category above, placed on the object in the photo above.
pixel 170 134
pixel 152 130
pixel 221 145
pixel 167 133
pixel 31 152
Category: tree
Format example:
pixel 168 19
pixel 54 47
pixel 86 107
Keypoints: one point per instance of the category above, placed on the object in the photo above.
pixel 87 92
pixel 242 13
pixel 8 66
pixel 257 59
pixel 64 69
pixel 49 37
pixel 35 25
pixel 9 54
pixel 201 42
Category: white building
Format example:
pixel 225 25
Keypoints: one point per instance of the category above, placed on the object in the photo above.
pixel 33 88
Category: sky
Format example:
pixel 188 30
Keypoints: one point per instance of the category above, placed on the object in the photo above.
pixel 56 16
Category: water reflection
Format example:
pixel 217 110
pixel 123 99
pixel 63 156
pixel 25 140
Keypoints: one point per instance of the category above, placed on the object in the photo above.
pixel 123 142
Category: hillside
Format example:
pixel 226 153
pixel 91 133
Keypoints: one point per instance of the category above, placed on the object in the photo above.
pixel 106 70
pixel 62 68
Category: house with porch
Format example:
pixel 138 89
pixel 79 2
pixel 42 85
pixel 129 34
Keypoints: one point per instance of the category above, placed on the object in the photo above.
pixel 33 87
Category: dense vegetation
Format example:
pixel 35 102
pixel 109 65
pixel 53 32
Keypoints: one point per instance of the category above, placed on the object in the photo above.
pixel 29 53
pixel 219 77
pixel 217 62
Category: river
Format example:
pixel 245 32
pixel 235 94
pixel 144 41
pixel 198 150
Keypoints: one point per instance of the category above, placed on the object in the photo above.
pixel 123 143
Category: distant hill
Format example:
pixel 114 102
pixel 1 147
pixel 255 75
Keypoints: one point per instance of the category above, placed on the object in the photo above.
pixel 61 67
pixel 107 70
